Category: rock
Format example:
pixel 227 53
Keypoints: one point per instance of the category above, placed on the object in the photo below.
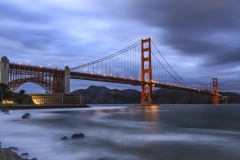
pixel 13 148
pixel 5 110
pixel 6 154
pixel 64 138
pixel 24 155
pixel 27 114
pixel 24 116
pixel 76 136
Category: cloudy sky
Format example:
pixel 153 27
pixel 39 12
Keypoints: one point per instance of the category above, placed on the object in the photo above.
pixel 200 39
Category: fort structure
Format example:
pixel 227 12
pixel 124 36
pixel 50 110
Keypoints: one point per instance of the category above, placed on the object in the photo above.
pixel 55 81
pixel 57 98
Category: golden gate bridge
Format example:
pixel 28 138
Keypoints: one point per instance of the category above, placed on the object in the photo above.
pixel 139 64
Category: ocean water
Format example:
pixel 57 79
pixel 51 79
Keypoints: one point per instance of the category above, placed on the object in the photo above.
pixel 125 132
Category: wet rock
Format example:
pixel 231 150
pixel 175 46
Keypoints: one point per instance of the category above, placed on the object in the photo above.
pixel 24 116
pixel 76 136
pixel 27 114
pixel 64 138
pixel 24 154
pixel 6 113
pixel 13 148
pixel 5 110
pixel 6 154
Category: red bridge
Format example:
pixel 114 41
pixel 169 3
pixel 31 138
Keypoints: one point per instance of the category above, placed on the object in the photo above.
pixel 139 64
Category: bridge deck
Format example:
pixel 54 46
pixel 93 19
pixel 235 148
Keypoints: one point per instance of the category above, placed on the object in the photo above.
pixel 112 79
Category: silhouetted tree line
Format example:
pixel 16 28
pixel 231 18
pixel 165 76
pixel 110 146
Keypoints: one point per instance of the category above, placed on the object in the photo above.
pixel 5 92
pixel 18 98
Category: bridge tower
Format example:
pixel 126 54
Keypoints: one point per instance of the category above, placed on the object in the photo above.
pixel 215 90
pixel 146 71
pixel 4 70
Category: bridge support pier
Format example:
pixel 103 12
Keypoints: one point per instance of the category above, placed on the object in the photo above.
pixel 4 70
pixel 67 80
pixel 215 91
pixel 146 71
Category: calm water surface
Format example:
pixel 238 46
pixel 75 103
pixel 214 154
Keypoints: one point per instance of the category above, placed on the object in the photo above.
pixel 120 132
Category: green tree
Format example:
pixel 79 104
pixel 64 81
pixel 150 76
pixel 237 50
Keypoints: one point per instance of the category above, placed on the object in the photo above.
pixel 4 91
pixel 22 92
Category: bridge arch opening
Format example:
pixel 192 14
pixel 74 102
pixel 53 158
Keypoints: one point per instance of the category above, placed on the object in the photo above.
pixel 14 85
pixel 31 87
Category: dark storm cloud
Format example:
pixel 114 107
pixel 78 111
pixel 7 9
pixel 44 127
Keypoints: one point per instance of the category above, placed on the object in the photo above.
pixel 31 38
pixel 200 38
pixel 191 26
pixel 36 29
pixel 229 58
pixel 13 11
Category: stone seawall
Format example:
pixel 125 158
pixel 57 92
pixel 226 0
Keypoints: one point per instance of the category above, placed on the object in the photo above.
pixel 47 106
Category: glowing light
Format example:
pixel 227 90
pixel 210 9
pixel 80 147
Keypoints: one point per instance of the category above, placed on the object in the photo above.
pixel 28 62
pixel 19 63
pixel 49 65
pixel 40 66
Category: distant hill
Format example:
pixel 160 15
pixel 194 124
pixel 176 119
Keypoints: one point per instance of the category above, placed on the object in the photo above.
pixel 104 95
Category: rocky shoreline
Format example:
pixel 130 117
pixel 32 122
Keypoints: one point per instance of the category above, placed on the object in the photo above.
pixel 26 107
pixel 11 154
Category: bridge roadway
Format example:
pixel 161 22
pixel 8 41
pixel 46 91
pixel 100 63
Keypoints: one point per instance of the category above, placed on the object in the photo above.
pixel 113 79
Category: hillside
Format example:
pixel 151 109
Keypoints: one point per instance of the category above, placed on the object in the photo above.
pixel 104 95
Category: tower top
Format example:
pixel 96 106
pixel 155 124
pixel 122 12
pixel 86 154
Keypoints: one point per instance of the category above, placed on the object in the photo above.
pixel 4 59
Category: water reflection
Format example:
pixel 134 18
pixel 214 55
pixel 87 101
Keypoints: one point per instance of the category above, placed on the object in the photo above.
pixel 151 113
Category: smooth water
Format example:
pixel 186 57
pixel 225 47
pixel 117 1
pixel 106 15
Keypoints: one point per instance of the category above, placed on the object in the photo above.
pixel 171 132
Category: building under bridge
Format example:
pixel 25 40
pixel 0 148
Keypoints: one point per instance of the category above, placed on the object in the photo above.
pixel 57 98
